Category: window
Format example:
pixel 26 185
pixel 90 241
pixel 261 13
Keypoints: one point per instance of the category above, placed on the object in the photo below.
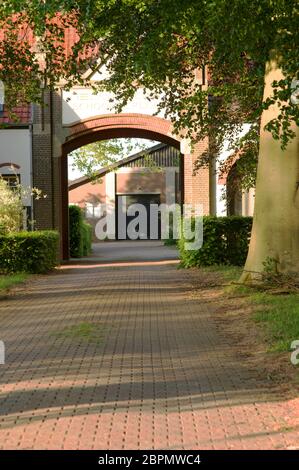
pixel 92 211
pixel 12 180
pixel 88 210
pixel 97 211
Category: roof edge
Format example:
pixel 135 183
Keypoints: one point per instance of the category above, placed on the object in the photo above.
pixel 103 171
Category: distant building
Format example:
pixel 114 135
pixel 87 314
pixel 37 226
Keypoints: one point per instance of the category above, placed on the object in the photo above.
pixel 148 177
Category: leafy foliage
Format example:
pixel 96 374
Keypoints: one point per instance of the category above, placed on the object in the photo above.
pixel 162 46
pixel 225 242
pixel 31 252
pixel 76 242
pixel 90 158
pixel 80 233
pixel 34 48
pixel 86 233
pixel 234 41
pixel 11 208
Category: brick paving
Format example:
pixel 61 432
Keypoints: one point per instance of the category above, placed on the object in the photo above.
pixel 119 356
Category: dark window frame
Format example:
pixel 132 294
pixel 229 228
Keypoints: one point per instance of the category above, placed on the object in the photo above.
pixel 9 176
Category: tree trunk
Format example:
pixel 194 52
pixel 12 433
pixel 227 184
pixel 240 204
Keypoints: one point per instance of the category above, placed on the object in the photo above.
pixel 275 232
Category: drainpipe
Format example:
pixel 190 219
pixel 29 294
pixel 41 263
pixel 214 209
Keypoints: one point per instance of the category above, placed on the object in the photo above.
pixel 52 157
pixel 213 186
pixel 31 168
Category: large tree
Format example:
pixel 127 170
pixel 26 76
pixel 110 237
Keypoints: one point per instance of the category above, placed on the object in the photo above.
pixel 249 51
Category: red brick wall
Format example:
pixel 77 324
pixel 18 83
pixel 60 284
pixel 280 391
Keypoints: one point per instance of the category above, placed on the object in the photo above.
pixel 93 193
pixel 200 180
pixel 126 183
pixel 141 181
pixel 196 186
pixel 22 115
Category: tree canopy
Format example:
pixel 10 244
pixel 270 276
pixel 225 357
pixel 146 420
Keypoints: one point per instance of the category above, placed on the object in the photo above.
pixel 247 50
pixel 161 45
pixel 90 158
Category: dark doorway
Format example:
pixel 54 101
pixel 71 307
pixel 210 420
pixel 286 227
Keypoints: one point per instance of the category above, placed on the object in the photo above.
pixel 146 200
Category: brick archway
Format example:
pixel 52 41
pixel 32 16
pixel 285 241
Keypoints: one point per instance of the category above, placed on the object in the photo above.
pixel 108 127
pixel 119 125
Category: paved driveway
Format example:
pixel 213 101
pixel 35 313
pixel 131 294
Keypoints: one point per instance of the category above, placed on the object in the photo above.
pixel 118 355
pixel 141 250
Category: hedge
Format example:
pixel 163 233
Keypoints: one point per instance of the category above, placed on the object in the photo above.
pixel 31 252
pixel 80 233
pixel 76 242
pixel 225 241
pixel 170 241
pixel 87 238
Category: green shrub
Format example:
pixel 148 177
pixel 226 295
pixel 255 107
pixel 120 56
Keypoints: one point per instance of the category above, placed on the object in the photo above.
pixel 87 238
pixel 31 252
pixel 80 233
pixel 225 241
pixel 11 208
pixel 170 241
pixel 76 241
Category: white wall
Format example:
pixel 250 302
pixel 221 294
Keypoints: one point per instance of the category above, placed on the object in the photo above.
pixel 81 103
pixel 248 198
pixel 221 189
pixel 15 147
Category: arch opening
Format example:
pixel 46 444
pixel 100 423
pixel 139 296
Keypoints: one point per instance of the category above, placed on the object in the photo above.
pixel 111 127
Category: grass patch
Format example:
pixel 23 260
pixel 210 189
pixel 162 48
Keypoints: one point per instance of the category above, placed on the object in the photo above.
pixel 278 315
pixel 170 242
pixel 91 332
pixel 10 280
pixel 229 273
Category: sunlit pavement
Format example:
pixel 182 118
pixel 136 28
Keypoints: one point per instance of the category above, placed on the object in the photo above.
pixel 112 352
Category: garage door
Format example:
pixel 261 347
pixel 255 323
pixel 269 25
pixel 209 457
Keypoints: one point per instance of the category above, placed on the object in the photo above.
pixel 146 200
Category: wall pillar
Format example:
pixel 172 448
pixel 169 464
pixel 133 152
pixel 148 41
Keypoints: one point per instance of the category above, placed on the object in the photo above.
pixel 196 184
pixel 42 169
pixel 63 208
pixel 49 168
pixel 212 187
pixel 110 202
pixel 170 193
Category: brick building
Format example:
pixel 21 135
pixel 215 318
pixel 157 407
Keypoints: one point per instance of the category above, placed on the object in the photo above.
pixel 37 147
pixel 148 177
